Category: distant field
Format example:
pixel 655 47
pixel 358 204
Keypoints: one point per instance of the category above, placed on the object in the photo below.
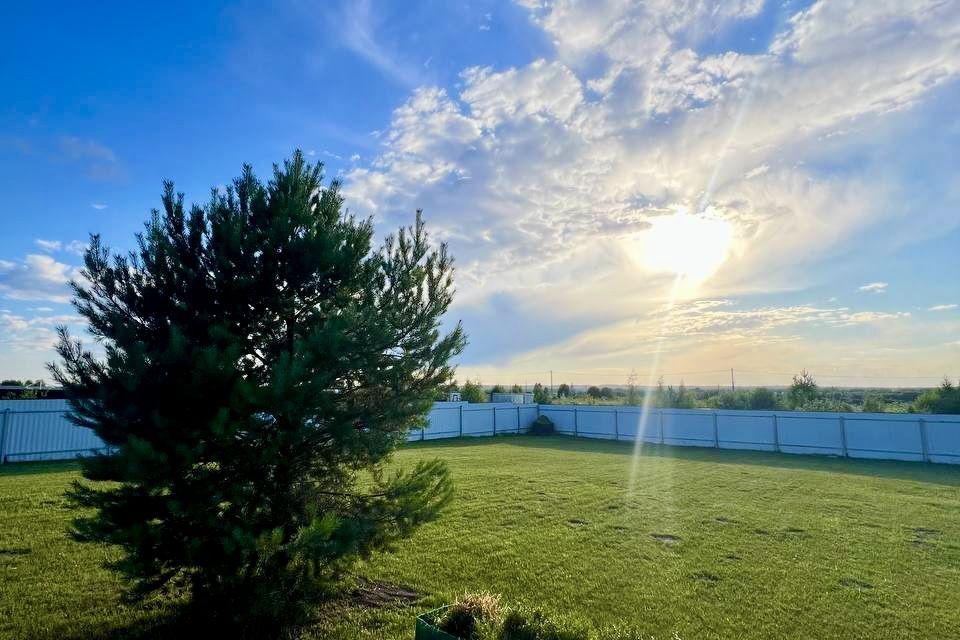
pixel 711 544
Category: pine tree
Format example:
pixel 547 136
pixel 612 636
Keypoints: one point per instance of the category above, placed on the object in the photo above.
pixel 261 362
pixel 472 392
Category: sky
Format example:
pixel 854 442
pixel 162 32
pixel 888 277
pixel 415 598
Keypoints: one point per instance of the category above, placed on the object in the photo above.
pixel 668 188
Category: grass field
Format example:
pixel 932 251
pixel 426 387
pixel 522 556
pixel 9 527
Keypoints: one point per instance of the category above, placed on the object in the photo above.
pixel 710 544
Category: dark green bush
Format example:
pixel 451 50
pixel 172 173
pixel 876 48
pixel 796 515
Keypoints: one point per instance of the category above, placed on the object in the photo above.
pixel 542 426
pixel 944 399
pixel 763 399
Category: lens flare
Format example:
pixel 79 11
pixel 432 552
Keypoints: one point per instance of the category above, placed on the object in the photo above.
pixel 690 246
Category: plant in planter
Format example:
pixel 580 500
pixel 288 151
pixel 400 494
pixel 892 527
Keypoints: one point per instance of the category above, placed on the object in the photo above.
pixel 481 617
pixel 467 617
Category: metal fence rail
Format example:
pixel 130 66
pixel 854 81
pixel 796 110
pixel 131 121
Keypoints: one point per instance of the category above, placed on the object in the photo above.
pixel 40 430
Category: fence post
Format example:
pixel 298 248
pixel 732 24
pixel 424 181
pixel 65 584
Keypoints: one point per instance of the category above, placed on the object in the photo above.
pixel 843 436
pixel 616 424
pixel 661 426
pixel 716 432
pixel 518 419
pixel 776 434
pixel 3 435
pixel 924 450
pixel 575 421
pixel 461 421
pixel 494 421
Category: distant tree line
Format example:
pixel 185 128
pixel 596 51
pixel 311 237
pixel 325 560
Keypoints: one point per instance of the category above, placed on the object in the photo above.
pixel 26 390
pixel 803 394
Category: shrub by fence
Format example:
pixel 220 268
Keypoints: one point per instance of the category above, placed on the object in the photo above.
pixel 39 429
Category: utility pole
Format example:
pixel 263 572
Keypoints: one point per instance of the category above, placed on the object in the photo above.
pixel 733 386
pixel 551 383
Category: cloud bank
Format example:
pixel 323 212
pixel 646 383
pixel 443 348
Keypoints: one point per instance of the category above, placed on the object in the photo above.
pixel 544 178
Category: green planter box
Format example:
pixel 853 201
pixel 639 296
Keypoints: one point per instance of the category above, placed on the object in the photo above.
pixel 425 629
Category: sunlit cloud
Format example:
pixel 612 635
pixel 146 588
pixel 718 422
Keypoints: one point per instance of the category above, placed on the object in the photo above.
pixel 875 287
pixel 49 245
pixel 38 277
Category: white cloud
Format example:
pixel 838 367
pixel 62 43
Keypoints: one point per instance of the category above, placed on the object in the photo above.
pixel 942 307
pixel 101 161
pixel 521 159
pixel 99 206
pixel 19 333
pixel 875 287
pixel 49 245
pixel 38 277
pixel 76 247
pixel 359 34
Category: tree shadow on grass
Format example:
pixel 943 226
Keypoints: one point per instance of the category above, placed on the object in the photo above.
pixel 162 620
pixel 157 627
pixel 14 468
pixel 944 474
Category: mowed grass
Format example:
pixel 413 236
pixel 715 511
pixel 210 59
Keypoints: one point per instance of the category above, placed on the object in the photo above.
pixel 707 544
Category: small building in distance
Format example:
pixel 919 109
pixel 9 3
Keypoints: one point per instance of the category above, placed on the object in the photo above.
pixel 514 398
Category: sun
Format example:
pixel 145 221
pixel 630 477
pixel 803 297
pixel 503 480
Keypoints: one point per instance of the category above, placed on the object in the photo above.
pixel 690 246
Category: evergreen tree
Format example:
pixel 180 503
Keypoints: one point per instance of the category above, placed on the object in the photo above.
pixel 472 392
pixel 633 395
pixel 541 395
pixel 943 399
pixel 803 391
pixel 261 363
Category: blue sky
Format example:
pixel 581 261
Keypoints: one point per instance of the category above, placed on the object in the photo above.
pixel 760 185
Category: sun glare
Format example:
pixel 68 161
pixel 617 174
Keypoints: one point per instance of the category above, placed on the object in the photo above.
pixel 690 246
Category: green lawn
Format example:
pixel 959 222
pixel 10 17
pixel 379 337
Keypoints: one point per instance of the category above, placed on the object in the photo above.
pixel 711 544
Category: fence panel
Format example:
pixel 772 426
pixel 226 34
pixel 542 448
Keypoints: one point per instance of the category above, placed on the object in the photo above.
pixel 562 417
pixel 597 422
pixel 747 430
pixel 33 430
pixel 688 428
pixel 479 420
pixel 443 421
pixel 943 438
pixel 507 419
pixel 889 437
pixel 809 433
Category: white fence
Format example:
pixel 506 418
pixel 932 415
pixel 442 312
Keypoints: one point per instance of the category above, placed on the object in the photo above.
pixel 457 419
pixel 888 436
pixel 39 430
